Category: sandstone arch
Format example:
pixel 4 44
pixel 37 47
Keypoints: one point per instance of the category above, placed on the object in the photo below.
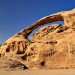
pixel 41 22
pixel 66 16
pixel 20 39
pixel 54 44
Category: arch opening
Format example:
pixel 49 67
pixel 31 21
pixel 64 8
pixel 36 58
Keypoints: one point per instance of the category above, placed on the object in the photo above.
pixel 35 30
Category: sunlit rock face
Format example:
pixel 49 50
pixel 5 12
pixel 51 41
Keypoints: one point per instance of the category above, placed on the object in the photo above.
pixel 50 47
pixel 69 18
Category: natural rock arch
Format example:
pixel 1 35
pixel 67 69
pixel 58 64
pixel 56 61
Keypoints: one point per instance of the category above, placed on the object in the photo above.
pixel 51 51
pixel 41 22
pixel 21 38
pixel 66 16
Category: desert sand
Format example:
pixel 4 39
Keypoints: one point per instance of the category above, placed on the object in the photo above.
pixel 41 72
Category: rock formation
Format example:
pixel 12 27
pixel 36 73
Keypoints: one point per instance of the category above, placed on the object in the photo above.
pixel 52 46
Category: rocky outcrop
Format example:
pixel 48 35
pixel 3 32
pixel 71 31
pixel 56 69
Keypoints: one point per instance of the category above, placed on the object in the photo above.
pixel 11 65
pixel 51 46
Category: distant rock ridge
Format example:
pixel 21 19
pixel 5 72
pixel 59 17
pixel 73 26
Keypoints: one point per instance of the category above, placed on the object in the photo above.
pixel 52 46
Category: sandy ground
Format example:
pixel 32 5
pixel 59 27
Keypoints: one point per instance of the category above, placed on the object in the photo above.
pixel 41 72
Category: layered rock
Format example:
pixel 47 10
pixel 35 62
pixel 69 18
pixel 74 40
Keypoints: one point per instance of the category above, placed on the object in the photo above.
pixel 51 46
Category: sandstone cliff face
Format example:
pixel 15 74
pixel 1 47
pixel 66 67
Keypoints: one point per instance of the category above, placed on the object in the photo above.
pixel 52 46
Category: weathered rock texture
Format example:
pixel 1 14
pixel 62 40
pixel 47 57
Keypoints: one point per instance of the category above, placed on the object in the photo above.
pixel 51 47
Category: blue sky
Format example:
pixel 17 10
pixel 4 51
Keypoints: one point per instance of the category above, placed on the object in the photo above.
pixel 16 15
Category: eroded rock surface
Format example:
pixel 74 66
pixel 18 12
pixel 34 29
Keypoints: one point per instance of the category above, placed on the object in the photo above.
pixel 51 47
pixel 11 65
